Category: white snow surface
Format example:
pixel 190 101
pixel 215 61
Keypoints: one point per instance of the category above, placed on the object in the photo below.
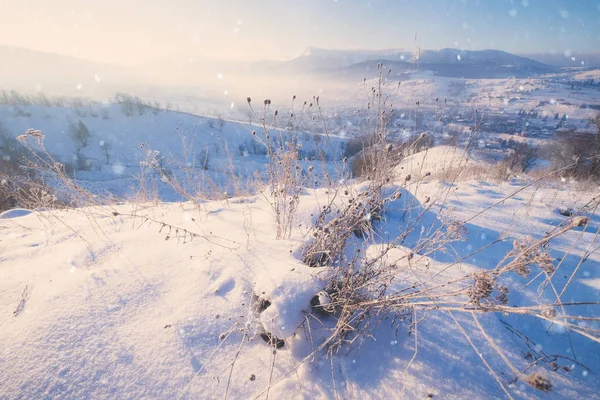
pixel 120 144
pixel 106 302
pixel 109 302
pixel 15 213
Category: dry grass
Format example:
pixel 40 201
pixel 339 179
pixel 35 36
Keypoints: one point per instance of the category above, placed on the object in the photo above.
pixel 361 289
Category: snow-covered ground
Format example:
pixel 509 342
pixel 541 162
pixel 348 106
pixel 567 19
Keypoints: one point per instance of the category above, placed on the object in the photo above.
pixel 109 302
pixel 122 141
pixel 133 299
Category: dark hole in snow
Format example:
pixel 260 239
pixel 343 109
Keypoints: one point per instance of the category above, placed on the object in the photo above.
pixel 318 308
pixel 319 259
pixel 321 303
pixel 272 340
pixel 259 304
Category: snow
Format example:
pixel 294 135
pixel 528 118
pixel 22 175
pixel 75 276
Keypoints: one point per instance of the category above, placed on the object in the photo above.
pixel 121 145
pixel 115 310
pixel 160 299
pixel 15 213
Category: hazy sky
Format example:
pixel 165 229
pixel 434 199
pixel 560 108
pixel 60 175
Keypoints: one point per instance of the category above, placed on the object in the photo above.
pixel 135 31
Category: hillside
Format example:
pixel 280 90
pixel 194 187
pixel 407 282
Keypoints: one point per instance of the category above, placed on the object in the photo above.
pixel 124 140
pixel 328 200
pixel 107 303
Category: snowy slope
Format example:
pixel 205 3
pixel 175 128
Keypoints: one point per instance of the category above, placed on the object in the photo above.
pixel 108 303
pixel 120 143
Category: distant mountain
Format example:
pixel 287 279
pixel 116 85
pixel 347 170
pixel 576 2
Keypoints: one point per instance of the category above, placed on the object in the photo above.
pixel 24 69
pixel 312 60
pixel 567 60
pixel 445 62
pixel 476 64
pixel 477 57
pixel 320 59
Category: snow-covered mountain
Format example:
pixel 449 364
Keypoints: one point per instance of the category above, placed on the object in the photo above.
pixel 567 59
pixel 444 62
pixel 455 63
pixel 314 58
pixel 457 56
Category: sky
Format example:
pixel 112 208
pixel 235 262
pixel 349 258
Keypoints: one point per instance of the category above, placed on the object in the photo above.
pixel 138 31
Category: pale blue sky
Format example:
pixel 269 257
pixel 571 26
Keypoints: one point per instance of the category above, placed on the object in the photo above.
pixel 133 31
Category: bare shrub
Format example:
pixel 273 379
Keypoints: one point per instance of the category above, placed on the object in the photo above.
pixel 10 150
pixel 358 292
pixel 576 154
pixel 283 172
pixel 203 158
pixel 134 105
pixel 105 146
pixel 521 158
pixel 16 98
pixel 355 146
pixel 22 188
pixel 9 172
pixel 18 186
pixel 41 164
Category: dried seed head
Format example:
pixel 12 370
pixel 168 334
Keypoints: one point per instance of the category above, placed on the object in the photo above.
pixel 549 312
pixel 248 99
pixel 544 261
pixel 502 296
pixel 579 221
pixel 539 382
pixel 482 287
